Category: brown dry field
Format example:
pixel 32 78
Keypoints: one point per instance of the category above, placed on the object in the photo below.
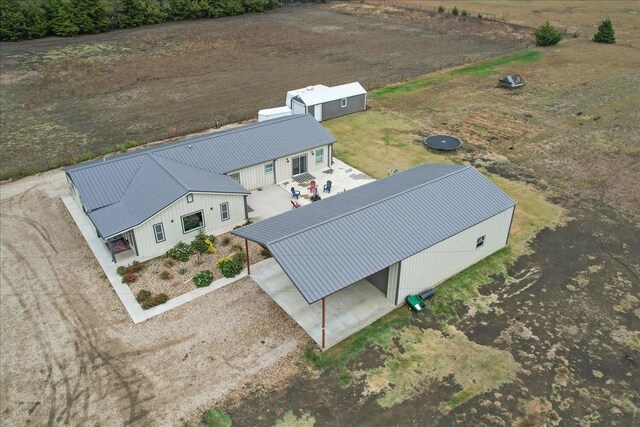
pixel 568 313
pixel 76 98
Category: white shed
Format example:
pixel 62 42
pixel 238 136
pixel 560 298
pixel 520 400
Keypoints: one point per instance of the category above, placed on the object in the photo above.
pixel 293 93
pixel 331 102
pixel 273 113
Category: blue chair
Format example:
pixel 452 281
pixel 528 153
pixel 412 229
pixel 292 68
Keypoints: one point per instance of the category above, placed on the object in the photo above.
pixel 295 193
pixel 327 187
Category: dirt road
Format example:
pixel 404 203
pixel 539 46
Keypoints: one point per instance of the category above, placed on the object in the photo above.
pixel 71 355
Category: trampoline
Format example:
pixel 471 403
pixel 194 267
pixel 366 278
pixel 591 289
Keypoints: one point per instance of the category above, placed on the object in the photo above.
pixel 443 142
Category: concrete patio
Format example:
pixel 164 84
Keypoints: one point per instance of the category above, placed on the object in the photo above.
pixel 276 199
pixel 346 312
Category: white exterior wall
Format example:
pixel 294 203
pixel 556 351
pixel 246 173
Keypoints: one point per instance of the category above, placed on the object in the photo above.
pixel 73 191
pixel 254 177
pixel 432 266
pixel 284 170
pixel 210 206
pixel 317 112
pixel 298 107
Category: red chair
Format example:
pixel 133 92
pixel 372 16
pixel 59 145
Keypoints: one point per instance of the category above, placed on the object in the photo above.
pixel 295 204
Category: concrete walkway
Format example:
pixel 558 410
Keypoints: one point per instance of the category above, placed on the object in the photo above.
pixel 346 312
pixel 136 312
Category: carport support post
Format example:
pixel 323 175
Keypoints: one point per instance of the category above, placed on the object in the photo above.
pixel 323 325
pixel 246 248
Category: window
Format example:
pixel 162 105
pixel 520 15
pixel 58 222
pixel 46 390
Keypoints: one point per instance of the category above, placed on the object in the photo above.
pixel 189 198
pixel 268 168
pixel 224 211
pixel 158 230
pixel 343 102
pixel 235 177
pixel 192 222
pixel 479 242
pixel 319 156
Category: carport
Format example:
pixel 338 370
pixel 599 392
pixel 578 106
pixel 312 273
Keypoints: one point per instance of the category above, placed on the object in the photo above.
pixel 333 318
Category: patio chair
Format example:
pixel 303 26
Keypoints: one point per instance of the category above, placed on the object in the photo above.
pixel 313 188
pixel 327 187
pixel 294 193
pixel 295 204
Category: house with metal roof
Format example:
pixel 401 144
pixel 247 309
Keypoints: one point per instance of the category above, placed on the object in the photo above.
pixel 400 235
pixel 150 199
pixel 326 103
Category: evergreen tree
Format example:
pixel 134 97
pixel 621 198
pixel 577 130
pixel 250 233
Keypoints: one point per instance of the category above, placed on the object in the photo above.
pixel 61 22
pixel 547 35
pixel 605 33
pixel 135 13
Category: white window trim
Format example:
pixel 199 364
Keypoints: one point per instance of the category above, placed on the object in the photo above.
pixel 155 232
pixel 269 166
pixel 321 151
pixel 194 229
pixel 222 218
pixel 189 198
pixel 343 102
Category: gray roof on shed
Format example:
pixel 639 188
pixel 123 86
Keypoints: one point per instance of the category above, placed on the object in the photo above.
pixel 328 245
pixel 125 190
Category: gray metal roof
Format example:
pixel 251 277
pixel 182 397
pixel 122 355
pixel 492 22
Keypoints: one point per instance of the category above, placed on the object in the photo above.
pixel 123 191
pixel 328 245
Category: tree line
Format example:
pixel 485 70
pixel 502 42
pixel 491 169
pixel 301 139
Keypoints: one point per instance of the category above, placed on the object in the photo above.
pixel 32 19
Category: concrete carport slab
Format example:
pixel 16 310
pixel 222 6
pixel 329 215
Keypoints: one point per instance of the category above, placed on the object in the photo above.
pixel 347 311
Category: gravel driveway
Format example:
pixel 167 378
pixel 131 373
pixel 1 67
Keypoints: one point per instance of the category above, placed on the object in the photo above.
pixel 71 355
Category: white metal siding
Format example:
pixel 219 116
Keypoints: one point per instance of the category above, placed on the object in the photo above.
pixel 392 287
pixel 73 191
pixel 432 266
pixel 210 206
pixel 298 107
pixel 284 170
pixel 318 112
pixel 254 177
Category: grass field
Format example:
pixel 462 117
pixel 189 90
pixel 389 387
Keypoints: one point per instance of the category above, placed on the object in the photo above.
pixel 67 100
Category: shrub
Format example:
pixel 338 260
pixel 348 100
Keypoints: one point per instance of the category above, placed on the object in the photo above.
pixel 229 267
pixel 236 248
pixel 158 299
pixel 135 267
pixel 129 277
pixel 180 252
pixel 547 35
pixel 479 16
pixel 455 11
pixel 265 252
pixel 225 240
pixel 143 295
pixel 166 275
pixel 203 278
pixel 239 256
pixel 441 9
pixel 121 270
pixel 169 262
pixel 605 33
pixel 464 12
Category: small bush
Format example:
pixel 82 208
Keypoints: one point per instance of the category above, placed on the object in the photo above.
pixel 547 35
pixel 225 240
pixel 455 11
pixel 143 295
pixel 169 262
pixel 136 267
pixel 215 417
pixel 203 278
pixel 605 33
pixel 121 270
pixel 166 275
pixel 464 12
pixel 158 299
pixel 441 9
pixel 239 257
pixel 479 16
pixel 229 267
pixel 129 278
pixel 180 252
pixel 236 248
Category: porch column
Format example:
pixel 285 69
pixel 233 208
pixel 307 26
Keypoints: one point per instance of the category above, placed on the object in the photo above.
pixel 135 244
pixel 323 324
pixel 246 209
pixel 246 247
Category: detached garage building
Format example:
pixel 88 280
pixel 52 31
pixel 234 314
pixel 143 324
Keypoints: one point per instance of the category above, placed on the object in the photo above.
pixel 400 235
pixel 148 200
pixel 329 103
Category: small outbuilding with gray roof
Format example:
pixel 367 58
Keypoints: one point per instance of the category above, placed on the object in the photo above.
pixel 402 234
pixel 150 199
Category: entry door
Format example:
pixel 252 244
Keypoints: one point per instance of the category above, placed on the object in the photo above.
pixel 299 165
